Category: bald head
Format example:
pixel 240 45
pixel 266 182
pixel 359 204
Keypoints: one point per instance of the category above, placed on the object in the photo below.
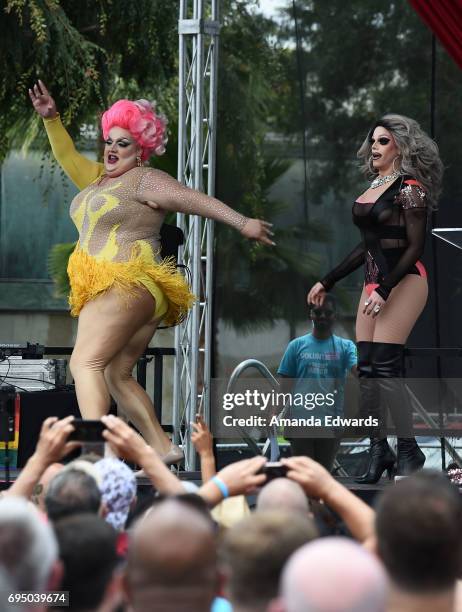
pixel 172 560
pixel 360 580
pixel 283 494
pixel 254 551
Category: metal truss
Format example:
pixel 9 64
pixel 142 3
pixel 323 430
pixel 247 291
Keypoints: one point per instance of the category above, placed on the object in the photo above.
pixel 198 55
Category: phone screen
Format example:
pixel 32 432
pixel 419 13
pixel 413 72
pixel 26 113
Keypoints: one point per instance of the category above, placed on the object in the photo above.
pixel 273 470
pixel 87 431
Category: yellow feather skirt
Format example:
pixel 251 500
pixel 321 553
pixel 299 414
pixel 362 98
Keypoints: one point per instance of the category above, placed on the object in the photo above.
pixel 90 276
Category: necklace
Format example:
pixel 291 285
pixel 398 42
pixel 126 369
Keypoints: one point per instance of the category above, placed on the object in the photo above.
pixel 381 180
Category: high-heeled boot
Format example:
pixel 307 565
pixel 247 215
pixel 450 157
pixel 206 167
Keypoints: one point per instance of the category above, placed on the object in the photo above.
pixel 367 388
pixel 410 457
pixel 388 368
pixel 381 457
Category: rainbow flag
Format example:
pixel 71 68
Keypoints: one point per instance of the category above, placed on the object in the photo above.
pixel 14 444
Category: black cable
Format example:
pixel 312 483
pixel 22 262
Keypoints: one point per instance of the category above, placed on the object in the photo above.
pixel 47 382
pixel 7 372
pixel 188 275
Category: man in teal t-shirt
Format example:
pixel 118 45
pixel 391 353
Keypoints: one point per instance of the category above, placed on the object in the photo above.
pixel 319 362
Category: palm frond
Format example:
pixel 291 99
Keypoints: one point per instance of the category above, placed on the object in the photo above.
pixel 58 258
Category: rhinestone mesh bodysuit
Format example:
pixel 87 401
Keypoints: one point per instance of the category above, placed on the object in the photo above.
pixel 119 238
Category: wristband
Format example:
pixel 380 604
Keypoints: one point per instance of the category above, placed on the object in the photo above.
pixel 221 485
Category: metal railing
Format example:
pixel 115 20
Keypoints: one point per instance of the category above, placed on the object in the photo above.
pixel 272 440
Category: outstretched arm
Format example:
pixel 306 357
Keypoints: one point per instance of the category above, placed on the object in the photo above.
pixel 81 170
pixel 318 483
pixel 159 190
pixel 52 445
pixel 238 478
pixel 126 443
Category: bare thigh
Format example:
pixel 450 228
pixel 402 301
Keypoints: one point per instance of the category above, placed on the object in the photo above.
pixel 107 324
pixel 398 315
pixel 122 364
pixel 402 309
pixel 365 324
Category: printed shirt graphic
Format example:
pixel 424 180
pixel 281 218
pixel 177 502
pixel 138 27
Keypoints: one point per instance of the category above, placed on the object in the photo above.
pixel 320 366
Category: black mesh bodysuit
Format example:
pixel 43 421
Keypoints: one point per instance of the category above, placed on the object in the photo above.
pixel 393 237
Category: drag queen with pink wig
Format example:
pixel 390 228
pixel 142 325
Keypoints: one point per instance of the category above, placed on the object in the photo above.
pixel 120 288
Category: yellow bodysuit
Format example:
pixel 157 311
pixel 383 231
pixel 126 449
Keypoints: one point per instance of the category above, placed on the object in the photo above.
pixel 119 240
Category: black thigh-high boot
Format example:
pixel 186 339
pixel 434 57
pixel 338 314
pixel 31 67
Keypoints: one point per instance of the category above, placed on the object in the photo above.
pixel 388 368
pixel 381 457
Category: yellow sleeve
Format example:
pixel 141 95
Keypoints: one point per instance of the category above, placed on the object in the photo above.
pixel 81 170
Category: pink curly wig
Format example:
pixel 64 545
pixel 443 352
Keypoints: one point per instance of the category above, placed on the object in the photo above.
pixel 148 128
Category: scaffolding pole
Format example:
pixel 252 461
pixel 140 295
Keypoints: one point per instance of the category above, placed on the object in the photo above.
pixel 198 30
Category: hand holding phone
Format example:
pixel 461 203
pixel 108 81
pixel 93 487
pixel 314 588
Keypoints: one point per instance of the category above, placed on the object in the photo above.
pixel 273 469
pixel 87 430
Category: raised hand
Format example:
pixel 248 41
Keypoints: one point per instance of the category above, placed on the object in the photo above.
pixel 259 230
pixel 53 442
pixel 42 101
pixel 312 476
pixel 201 437
pixel 243 477
pixel 124 440
pixel 316 295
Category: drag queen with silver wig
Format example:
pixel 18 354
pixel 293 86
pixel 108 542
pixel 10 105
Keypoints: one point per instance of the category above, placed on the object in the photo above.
pixel 391 215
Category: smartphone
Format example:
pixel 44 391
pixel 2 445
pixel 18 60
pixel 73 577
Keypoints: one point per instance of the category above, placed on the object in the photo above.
pixel 273 469
pixel 87 431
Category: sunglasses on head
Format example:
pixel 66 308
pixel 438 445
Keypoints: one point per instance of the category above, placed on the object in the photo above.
pixel 383 140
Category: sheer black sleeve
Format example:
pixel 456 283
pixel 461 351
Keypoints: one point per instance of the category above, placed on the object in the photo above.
pixel 412 200
pixel 351 263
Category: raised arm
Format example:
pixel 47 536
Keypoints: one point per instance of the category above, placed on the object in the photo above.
pixel 52 446
pixel 127 444
pixel 202 439
pixel 318 483
pixel 159 190
pixel 81 170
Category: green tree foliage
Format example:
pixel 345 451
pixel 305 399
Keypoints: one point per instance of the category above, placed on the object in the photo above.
pixel 361 59
pixel 253 282
pixel 91 53
pixel 83 50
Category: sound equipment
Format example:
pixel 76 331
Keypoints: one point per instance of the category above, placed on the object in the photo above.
pixel 34 374
pixel 36 406
pixel 27 351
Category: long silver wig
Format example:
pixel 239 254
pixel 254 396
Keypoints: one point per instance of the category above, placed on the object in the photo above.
pixel 418 154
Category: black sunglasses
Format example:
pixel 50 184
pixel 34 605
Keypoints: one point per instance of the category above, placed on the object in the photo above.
pixel 382 141
pixel 327 312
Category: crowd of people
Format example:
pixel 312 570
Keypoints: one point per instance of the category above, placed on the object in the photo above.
pixel 82 528
pixel 307 544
